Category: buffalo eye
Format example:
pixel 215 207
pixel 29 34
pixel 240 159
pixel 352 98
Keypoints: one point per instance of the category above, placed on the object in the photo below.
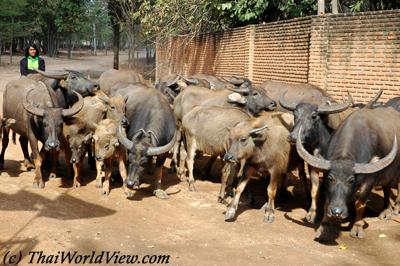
pixel 107 147
pixel 73 77
pixel 113 107
pixel 255 93
pixel 351 180
pixel 330 179
pixel 314 115
pixel 243 139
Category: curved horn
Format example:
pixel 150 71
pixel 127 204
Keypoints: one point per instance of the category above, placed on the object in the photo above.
pixel 29 107
pixel 311 159
pixel 127 143
pixel 193 81
pixel 74 108
pixel 255 130
pixel 286 104
pixel 169 84
pixel 369 168
pixel 336 108
pixel 152 151
pixel 63 75
pixel 373 101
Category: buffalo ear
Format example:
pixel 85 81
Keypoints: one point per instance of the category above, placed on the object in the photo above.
pixel 63 84
pixel 258 134
pixel 236 98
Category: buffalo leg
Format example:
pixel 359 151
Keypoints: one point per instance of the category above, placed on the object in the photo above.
pixel 175 153
pixel 53 161
pixel 91 160
pixel 269 207
pixel 99 176
pixel 233 206
pixel 5 142
pixel 107 177
pixel 124 174
pixel 191 152
pixel 24 147
pixel 38 160
pixel 386 214
pixel 228 174
pixel 357 229
pixel 68 155
pixel 312 212
pixel 396 210
pixel 159 192
pixel 182 163
pixel 77 170
pixel 327 229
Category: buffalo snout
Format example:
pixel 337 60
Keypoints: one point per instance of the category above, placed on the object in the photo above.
pixel 229 157
pixel 132 184
pixel 51 145
pixel 337 212
pixel 272 106
pixel 292 138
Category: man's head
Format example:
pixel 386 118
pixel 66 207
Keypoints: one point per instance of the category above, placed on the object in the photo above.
pixel 31 50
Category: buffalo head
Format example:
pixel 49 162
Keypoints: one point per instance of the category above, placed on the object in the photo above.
pixel 343 176
pixel 253 99
pixel 310 117
pixel 74 81
pixel 140 147
pixel 52 119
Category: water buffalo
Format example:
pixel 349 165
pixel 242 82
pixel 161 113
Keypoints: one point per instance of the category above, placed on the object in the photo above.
pixel 262 143
pixel 205 129
pixel 363 153
pixel 38 118
pixel 107 152
pixel 151 133
pixel 112 77
pixel 394 103
pixel 299 92
pixel 251 99
pixel 316 133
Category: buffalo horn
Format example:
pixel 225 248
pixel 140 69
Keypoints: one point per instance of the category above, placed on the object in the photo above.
pixel 127 143
pixel 256 130
pixel 311 159
pixel 336 108
pixel 152 151
pixel 30 108
pixel 369 168
pixel 373 101
pixel 61 75
pixel 74 108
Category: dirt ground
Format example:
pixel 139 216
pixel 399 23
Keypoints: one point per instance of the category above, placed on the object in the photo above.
pixel 188 226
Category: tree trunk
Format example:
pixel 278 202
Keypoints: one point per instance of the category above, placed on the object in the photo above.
pixel 116 40
pixel 321 7
pixel 94 39
pixel 334 4
pixel 70 46
pixel 11 40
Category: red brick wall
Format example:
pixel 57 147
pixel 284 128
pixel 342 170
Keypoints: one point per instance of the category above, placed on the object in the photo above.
pixel 356 52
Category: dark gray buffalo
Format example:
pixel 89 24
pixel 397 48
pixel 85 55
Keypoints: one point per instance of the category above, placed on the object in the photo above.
pixel 39 117
pixel 150 136
pixel 363 153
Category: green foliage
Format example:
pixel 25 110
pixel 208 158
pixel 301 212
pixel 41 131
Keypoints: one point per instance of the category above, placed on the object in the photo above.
pixel 70 16
pixel 12 22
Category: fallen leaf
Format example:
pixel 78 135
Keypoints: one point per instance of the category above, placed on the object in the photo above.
pixel 382 236
pixel 342 246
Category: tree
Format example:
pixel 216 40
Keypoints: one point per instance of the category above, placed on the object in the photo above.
pixel 70 18
pixel 11 23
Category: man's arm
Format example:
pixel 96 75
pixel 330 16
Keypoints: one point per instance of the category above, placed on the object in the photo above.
pixel 23 67
pixel 42 65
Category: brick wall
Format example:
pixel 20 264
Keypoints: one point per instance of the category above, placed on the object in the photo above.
pixel 356 52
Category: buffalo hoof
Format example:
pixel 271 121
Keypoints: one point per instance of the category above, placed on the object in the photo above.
pixel 269 217
pixel 38 184
pixel 105 192
pixel 311 216
pixel 221 200
pixel 2 166
pixel 52 175
pixel 76 184
pixel 396 210
pixel 230 214
pixel 160 194
pixel 99 184
pixel 29 165
pixel 192 188
pixel 386 214
pixel 357 231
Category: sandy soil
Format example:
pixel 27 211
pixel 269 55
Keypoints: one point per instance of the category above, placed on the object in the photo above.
pixel 188 226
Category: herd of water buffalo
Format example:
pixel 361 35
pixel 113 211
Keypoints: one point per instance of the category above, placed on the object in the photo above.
pixel 123 121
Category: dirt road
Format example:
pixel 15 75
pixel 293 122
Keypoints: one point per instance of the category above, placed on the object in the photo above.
pixel 188 226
